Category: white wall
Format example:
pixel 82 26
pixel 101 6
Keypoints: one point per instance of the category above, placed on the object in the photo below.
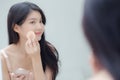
pixel 64 30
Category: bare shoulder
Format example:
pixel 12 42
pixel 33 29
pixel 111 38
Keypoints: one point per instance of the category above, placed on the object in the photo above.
pixel 1 56
pixel 9 49
pixel 5 50
pixel 4 65
pixel 101 76
pixel 48 73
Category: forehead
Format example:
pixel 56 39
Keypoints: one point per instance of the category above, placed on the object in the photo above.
pixel 34 15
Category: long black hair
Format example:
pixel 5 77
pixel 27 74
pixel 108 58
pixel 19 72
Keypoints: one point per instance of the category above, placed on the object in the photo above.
pixel 17 15
pixel 101 24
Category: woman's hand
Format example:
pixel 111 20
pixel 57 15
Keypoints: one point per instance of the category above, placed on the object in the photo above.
pixel 16 76
pixel 32 46
pixel 22 76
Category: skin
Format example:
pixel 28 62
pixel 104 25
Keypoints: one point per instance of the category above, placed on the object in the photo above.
pixel 26 53
pixel 99 72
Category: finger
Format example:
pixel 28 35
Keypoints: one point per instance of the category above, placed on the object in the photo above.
pixel 31 76
pixel 17 75
pixel 37 44
pixel 30 34
pixel 29 43
pixel 33 42
pixel 36 40
pixel 20 77
pixel 12 75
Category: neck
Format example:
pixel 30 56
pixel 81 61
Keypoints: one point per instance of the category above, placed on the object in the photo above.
pixel 20 47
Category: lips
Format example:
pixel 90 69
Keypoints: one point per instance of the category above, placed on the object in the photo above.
pixel 38 33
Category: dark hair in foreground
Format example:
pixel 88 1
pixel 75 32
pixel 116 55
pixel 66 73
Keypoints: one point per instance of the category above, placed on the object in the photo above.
pixel 101 24
pixel 17 15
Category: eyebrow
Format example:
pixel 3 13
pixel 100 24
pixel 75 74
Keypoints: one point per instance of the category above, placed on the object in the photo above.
pixel 35 19
pixel 32 19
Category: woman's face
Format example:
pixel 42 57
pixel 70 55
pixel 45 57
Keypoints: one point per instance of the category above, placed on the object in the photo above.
pixel 33 22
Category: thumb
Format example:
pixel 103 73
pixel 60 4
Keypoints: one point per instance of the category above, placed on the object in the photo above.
pixel 31 76
pixel 12 75
pixel 20 77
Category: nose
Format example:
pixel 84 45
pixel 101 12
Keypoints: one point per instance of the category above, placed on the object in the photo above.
pixel 39 26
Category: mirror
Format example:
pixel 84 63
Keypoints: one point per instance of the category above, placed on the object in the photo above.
pixel 63 29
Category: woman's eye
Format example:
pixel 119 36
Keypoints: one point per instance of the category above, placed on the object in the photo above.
pixel 41 21
pixel 32 22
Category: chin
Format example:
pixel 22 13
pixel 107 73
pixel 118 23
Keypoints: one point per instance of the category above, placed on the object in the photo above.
pixel 39 38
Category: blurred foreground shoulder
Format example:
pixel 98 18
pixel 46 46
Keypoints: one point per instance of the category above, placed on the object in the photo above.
pixel 4 67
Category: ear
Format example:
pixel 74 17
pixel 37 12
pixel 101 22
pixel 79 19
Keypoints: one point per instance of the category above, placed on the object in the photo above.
pixel 16 28
pixel 96 67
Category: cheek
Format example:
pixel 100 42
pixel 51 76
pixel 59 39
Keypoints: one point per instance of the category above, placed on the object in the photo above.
pixel 43 29
pixel 24 32
pixel 39 37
